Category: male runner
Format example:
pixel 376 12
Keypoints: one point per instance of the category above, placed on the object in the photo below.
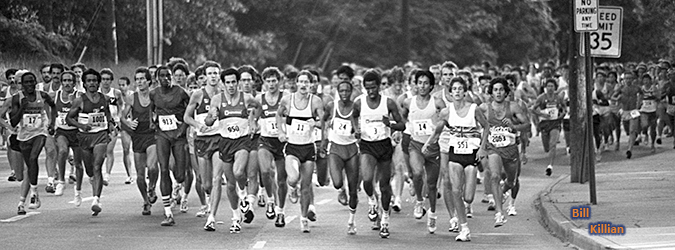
pixel 66 135
pixel 116 104
pixel 550 108
pixel 629 97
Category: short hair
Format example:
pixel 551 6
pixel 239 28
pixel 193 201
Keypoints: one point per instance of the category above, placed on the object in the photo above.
pixel 152 67
pixel 271 72
pixel 45 65
pixel 397 74
pixel 180 66
pixel 107 71
pixel 305 73
pixel 247 69
pixel 484 77
pixel 57 66
pixel 145 71
pixel 449 65
pixel 459 80
pixel 201 70
pixel 161 67
pixel 209 64
pixel 229 71
pixel 68 72
pixel 26 73
pixel 613 73
pixel 428 74
pixel 173 61
pixel 126 79
pixel 553 80
pixel 351 86
pixel 78 65
pixel 499 80
pixel 345 69
pixel 372 75
pixel 91 72
pixel 10 72
pixel 511 77
pixel 316 75
pixel 600 73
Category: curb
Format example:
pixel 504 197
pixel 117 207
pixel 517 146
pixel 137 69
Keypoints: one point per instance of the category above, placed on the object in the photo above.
pixel 551 218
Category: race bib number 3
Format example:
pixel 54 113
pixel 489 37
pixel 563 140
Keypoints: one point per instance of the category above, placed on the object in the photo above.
pixel 423 127
pixel 168 122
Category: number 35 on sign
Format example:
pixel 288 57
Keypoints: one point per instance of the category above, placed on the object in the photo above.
pixel 606 41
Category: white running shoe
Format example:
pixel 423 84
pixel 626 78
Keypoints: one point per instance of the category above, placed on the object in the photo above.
pixel 203 211
pixel 454 225
pixel 78 199
pixel 464 235
pixel 431 224
pixel 59 188
pixel 500 220
pixel 511 210
pixel 419 210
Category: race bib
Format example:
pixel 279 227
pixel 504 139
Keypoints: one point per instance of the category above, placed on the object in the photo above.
pixel 342 127
pixel 299 128
pixel 501 140
pixel 461 146
pixel 61 119
pixel 233 130
pixel 423 127
pixel 168 122
pixel 634 113
pixel 374 130
pixel 552 113
pixel 32 120
pixel 271 127
pixel 97 120
pixel 648 105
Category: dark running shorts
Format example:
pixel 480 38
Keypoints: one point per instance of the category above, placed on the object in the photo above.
pixel 434 151
pixel 380 150
pixel 304 153
pixel 141 142
pixel 14 143
pixel 253 145
pixel 89 141
pixel 464 160
pixel 206 146
pixel 344 152
pixel 229 147
pixel 510 155
pixel 547 126
pixel 28 145
pixel 272 145
pixel 405 142
pixel 70 135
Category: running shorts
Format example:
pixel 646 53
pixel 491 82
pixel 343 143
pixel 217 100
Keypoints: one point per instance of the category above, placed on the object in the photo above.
pixel 229 147
pixel 206 146
pixel 380 150
pixel 70 135
pixel 304 153
pixel 88 141
pixel 344 152
pixel 141 142
pixel 273 145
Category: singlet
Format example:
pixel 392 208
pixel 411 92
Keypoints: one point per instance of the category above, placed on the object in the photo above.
pixel 93 114
pixel 298 130
pixel 113 102
pixel 142 114
pixel 51 89
pixel 648 99
pixel 201 112
pixel 268 119
pixel 444 138
pixel 233 118
pixel 500 135
pixel 420 119
pixel 372 127
pixel 340 130
pixel 62 109
pixel 551 107
pixel 465 134
pixel 169 107
pixel 34 121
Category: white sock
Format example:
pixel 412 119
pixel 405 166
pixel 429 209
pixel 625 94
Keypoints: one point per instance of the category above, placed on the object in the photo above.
pixel 236 215
pixel 33 189
pixel 279 210
pixel 372 200
pixel 432 215
pixel 352 213
pixel 167 211
pixel 464 226
pixel 50 180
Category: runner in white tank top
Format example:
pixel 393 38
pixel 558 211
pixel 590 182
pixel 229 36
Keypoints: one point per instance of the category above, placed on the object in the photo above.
pixel 115 104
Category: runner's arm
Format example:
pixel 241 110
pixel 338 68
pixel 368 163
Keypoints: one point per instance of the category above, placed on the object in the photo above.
pixel 442 123
pixel 393 111
pixel 128 103
pixel 72 118
pixel 212 116
pixel 52 109
pixel 188 117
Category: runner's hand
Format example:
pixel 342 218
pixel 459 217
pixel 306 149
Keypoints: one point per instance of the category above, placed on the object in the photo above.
pixel 425 149
pixel 133 124
pixel 282 137
pixel 385 120
pixel 482 154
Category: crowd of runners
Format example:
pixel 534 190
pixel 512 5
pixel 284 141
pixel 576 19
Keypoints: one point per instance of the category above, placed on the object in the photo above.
pixel 272 136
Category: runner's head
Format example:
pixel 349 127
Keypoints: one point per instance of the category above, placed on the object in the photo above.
pixel 91 80
pixel 304 81
pixel 550 85
pixel 124 83
pixel 230 78
pixel 345 89
pixel 164 76
pixel 314 86
pixel 600 77
pixel 458 88
pixel 28 81
pixel 211 72
pixel 345 72
pixel 10 75
pixel 272 77
pixel 200 75
pixel 396 79
pixel 628 77
pixel 78 68
pixel 646 80
pixel 142 78
pixel 180 72
pixel 68 81
pixel 436 70
pixel 371 82
pixel 247 75
pixel 107 77
pixel 45 72
pixel 425 82
pixel 55 71
pixel 499 89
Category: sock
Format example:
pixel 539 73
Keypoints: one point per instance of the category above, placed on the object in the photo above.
pixel 250 198
pixel 280 210
pixel 22 201
pixel 270 199
pixel 372 200
pixel 465 226
pixel 211 218
pixel 352 213
pixel 236 215
pixel 96 200
pixel 50 180
pixel 432 215
pixel 167 211
pixel 491 197
pixel 241 192
pixel 385 217
pixel 78 192
pixel 166 201
pixel 311 208
pixel 208 198
pixel 33 189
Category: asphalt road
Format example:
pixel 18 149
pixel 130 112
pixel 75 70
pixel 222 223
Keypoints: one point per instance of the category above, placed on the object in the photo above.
pixel 58 224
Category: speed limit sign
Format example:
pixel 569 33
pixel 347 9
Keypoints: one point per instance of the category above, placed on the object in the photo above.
pixel 606 41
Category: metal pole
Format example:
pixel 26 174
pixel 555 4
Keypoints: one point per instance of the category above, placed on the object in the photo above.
pixel 82 54
pixel 576 126
pixel 154 32
pixel 114 33
pixel 148 28
pixel 160 32
pixel 589 117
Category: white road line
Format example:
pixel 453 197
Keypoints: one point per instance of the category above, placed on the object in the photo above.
pixel 502 234
pixel 649 245
pixel 19 217
pixel 322 202
pixel 84 199
pixel 259 244
pixel 290 218
pixel 638 173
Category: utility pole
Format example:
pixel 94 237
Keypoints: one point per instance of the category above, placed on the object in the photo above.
pixel 405 30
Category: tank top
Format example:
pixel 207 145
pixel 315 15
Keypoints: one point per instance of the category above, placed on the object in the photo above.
pixel 112 103
pixel 551 107
pixel 202 112
pixel 268 119
pixel 93 114
pixel 34 121
pixel 500 135
pixel 648 100
pixel 465 135
pixel 340 130
pixel 169 107
pixel 420 120
pixel 62 109
pixel 372 127
pixel 51 89
pixel 298 130
pixel 142 114
pixel 233 118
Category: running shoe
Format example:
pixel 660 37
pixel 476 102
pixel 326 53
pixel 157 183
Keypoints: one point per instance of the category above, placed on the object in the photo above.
pixel 454 225
pixel 396 206
pixel 281 221
pixel 235 228
pixel 210 225
pixel 419 210
pixel 147 209
pixel 311 213
pixel 176 193
pixel 21 210
pixel 50 188
pixel 629 154
pixel 469 211
pixel 431 224
pixel 77 200
pixel 485 198
pixel 342 197
pixel 168 221
pixel 184 205
pixel 261 198
pixel 294 195
pixel 245 208
pixel 304 225
pixel 351 229
pixel 511 210
pixel 59 189
pixel 34 202
pixel 128 180
pixel 384 231
pixel 152 196
pixel 491 205
pixel 106 178
pixel 95 208
pixel 12 177
pixel 269 212
pixel 372 213
pixel 464 235
pixel 549 169
pixel 376 225
pixel 203 211
pixel 500 220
